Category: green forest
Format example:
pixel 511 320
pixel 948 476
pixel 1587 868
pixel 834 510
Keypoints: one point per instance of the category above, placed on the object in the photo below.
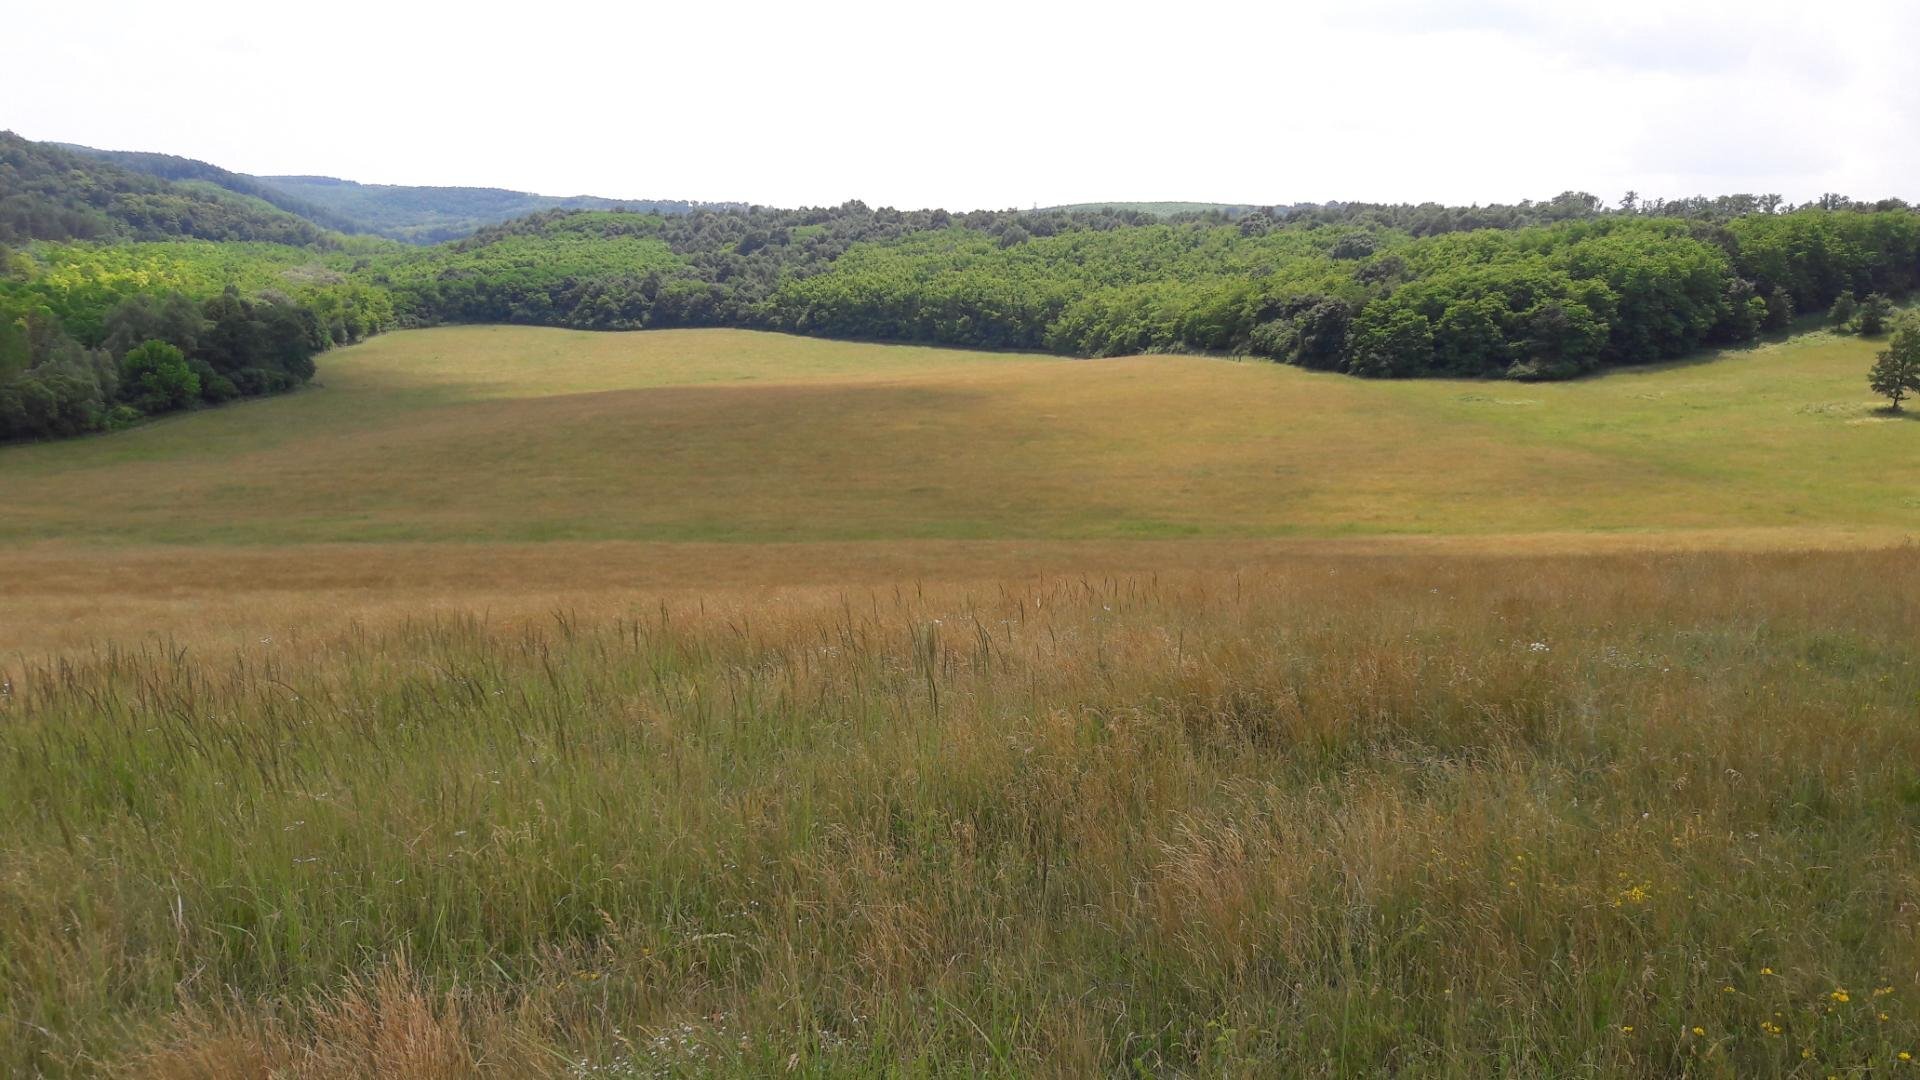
pixel 132 285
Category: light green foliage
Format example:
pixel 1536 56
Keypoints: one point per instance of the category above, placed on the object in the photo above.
pixel 513 277
pixel 81 283
pixel 1100 293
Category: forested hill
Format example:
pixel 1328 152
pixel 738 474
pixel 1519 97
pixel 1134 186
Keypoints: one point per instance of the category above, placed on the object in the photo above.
pixel 415 215
pixel 1534 290
pixel 1585 290
pixel 49 193
pixel 174 167
pixel 431 215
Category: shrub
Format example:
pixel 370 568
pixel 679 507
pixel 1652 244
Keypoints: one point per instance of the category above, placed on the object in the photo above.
pixel 1842 314
pixel 50 403
pixel 155 378
pixel 1391 343
pixel 1875 313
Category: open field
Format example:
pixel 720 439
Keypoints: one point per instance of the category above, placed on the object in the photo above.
pixel 63 598
pixel 521 435
pixel 523 702
pixel 1646 814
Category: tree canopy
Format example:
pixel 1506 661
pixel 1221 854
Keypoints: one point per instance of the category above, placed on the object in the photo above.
pixel 1537 290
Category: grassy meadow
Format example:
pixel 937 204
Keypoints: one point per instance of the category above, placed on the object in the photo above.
pixel 525 702
pixel 523 435
pixel 1430 814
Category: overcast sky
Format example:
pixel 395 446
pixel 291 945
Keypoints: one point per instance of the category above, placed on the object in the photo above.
pixel 995 104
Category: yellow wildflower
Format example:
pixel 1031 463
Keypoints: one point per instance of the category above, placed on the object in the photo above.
pixel 1840 996
pixel 1638 894
pixel 1699 1031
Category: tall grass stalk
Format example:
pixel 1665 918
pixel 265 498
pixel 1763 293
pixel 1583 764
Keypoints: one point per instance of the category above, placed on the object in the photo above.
pixel 1646 815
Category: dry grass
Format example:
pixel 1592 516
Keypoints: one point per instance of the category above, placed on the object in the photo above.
pixel 532 703
pixel 1338 815
pixel 64 597
pixel 520 435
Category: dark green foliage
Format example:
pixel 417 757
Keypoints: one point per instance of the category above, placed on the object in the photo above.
pixel 215 388
pixel 269 334
pixel 416 215
pixel 1542 290
pixel 170 317
pixel 431 215
pixel 1896 372
pixel 172 167
pixel 1309 330
pixel 47 193
pixel 50 387
pixel 1548 301
pixel 182 353
pixel 1841 315
pixel 155 378
pixel 50 403
pixel 1562 338
pixel 1816 255
pixel 1876 311
pixel 1780 309
pixel 1390 342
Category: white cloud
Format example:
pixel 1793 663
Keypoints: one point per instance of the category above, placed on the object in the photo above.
pixel 997 103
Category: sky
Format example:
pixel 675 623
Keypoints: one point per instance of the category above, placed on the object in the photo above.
pixel 996 104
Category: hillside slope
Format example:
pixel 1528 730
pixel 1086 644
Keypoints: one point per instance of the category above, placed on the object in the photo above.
pixel 49 193
pixel 414 214
pixel 430 215
pixel 191 170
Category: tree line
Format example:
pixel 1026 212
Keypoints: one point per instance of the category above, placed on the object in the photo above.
pixel 95 350
pixel 1581 288
pixel 1535 302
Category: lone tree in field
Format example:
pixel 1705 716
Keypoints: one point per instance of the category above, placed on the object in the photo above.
pixel 1896 374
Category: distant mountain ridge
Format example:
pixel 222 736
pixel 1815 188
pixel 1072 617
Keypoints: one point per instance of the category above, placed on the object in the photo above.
pixel 412 214
pixel 50 192
pixel 183 170
pixel 429 215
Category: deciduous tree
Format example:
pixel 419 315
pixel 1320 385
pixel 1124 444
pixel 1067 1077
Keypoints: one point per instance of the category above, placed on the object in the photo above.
pixel 1896 373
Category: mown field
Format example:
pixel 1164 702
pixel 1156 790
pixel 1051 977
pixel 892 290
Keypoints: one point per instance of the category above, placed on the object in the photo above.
pixel 526 702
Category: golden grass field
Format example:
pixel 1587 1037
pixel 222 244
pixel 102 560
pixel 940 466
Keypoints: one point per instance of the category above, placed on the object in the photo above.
pixel 523 702
pixel 515 434
pixel 513 468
